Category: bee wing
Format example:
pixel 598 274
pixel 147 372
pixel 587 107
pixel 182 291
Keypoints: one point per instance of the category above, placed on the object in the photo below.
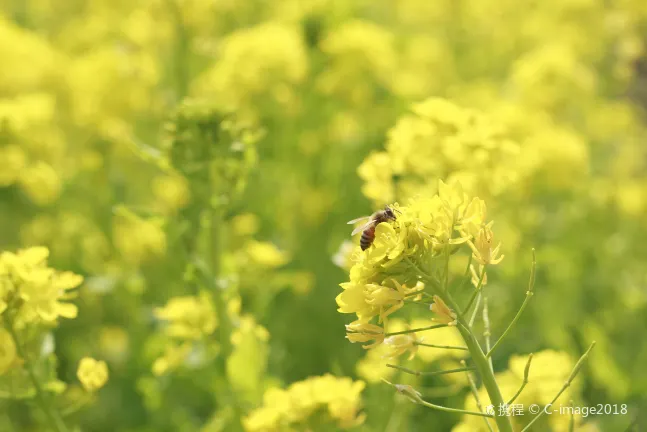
pixel 354 221
pixel 361 228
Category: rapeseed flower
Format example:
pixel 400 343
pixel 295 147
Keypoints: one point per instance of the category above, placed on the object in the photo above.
pixel 339 398
pixel 37 292
pixel 92 373
pixel 188 317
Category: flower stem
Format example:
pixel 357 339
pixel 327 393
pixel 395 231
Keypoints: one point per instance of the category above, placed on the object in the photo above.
pixel 566 385
pixel 414 396
pixel 483 367
pixel 476 309
pixel 486 329
pixel 478 357
pixel 415 330
pixel 55 421
pixel 477 399
pixel 440 346
pixel 529 293
pixel 431 373
pixel 525 381
pixel 477 290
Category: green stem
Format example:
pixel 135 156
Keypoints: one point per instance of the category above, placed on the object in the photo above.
pixel 414 396
pixel 526 371
pixel 432 373
pixel 566 385
pixel 474 312
pixel 453 410
pixel 480 361
pixel 477 399
pixel 531 285
pixel 56 423
pixel 483 367
pixel 416 330
pixel 440 346
pixel 181 50
pixel 571 423
pixel 486 329
pixel 466 275
pixel 477 290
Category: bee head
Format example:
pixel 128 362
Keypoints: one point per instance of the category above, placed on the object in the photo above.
pixel 388 212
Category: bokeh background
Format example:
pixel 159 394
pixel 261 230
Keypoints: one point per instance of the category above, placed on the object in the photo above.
pixel 98 98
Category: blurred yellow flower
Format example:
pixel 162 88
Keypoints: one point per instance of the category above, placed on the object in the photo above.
pixel 25 276
pixel 189 317
pixel 265 254
pixel 340 398
pixel 93 374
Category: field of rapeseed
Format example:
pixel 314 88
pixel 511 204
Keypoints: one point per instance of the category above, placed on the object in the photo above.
pixel 176 178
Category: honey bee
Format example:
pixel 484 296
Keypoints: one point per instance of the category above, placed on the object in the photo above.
pixel 368 229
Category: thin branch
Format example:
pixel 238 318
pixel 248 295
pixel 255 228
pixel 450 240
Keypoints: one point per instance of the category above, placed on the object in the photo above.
pixel 529 293
pixel 466 275
pixel 441 346
pixel 414 397
pixel 435 326
pixel 476 308
pixel 566 385
pixel 477 290
pixel 430 373
pixel 486 330
pixel 526 371
pixel 571 423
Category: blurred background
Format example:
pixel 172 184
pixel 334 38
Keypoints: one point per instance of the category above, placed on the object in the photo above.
pixel 97 96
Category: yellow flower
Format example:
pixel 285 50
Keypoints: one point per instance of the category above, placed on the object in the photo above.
pixel 265 254
pixel 40 288
pixel 189 317
pixel 92 373
pixel 339 398
pixel 362 331
pixel 444 314
pixel 388 299
pixel 353 300
pixel 482 249
pixel 173 357
pixel 7 351
pixel 400 344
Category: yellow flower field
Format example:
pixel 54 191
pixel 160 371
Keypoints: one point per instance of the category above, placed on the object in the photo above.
pixel 176 178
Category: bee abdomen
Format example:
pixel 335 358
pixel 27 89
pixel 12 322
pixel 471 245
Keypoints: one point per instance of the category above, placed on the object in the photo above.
pixel 367 238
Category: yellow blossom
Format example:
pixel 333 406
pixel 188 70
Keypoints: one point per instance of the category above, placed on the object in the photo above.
pixel 362 331
pixel 443 313
pixel 93 374
pixel 41 289
pixel 389 299
pixel 338 397
pixel 189 317
pixel 400 344
pixel 482 247
pixel 173 357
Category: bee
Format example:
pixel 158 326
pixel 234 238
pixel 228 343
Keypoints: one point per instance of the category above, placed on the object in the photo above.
pixel 368 229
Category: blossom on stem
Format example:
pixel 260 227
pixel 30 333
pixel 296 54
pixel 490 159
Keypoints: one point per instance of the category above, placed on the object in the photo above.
pixel 445 314
pixel 362 331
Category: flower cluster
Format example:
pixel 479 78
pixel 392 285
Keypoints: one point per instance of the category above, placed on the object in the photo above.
pixel 432 142
pixel 414 245
pixel 340 398
pixel 33 292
